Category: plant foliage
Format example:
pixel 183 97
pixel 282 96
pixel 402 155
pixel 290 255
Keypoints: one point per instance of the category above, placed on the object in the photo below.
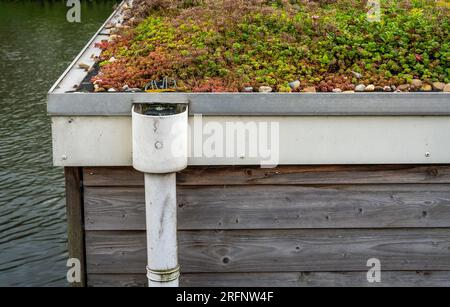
pixel 225 45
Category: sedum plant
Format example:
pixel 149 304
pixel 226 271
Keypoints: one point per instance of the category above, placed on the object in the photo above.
pixel 227 45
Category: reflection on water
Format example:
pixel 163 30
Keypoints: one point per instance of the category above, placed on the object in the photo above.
pixel 36 45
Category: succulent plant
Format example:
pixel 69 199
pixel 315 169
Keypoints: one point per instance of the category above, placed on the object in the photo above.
pixel 227 45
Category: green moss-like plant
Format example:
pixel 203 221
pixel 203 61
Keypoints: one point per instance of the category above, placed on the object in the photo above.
pixel 225 45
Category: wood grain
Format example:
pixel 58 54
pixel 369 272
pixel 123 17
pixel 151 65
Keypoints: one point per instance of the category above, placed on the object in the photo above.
pixel 278 207
pixel 75 219
pixel 284 175
pixel 284 279
pixel 312 250
pixel 288 226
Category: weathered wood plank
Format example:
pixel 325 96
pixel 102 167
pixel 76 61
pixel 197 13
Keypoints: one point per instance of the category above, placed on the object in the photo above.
pixel 317 279
pixel 278 207
pixel 283 279
pixel 289 175
pixel 335 174
pixel 112 176
pixel 325 250
pixel 75 219
pixel 115 208
pixel 117 280
pixel 116 252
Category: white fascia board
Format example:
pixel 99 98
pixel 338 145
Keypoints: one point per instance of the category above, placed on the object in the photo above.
pixel 303 140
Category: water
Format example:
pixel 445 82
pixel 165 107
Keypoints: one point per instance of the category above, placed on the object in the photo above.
pixel 36 45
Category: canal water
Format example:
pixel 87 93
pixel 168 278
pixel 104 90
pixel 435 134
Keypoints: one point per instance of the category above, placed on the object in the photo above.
pixel 36 45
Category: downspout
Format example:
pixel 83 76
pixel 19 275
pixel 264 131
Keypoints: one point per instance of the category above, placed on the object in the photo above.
pixel 160 137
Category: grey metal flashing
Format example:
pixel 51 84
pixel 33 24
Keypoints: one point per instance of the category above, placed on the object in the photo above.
pixel 235 104
pixel 62 84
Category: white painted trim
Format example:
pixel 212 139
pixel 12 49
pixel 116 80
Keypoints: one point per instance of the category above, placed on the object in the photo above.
pixel 106 141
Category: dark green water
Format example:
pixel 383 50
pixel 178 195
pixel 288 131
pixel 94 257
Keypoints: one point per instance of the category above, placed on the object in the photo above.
pixel 36 45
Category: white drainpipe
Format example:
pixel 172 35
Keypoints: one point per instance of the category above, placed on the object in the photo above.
pixel 160 136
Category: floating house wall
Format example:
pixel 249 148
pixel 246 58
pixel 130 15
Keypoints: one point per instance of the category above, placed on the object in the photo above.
pixel 288 226
pixel 361 176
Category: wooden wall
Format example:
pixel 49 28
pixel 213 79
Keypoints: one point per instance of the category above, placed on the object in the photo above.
pixel 289 226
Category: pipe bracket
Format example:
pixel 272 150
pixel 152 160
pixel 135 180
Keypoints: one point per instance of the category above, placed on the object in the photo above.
pixel 163 275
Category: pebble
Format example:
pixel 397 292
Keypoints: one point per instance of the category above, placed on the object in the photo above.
pixel 99 89
pixel 393 87
pixel 360 88
pixel 112 90
pixel 113 37
pixel 387 88
pixel 370 88
pixel 309 89
pixel 357 75
pixel 337 90
pixel 133 90
pixel 426 88
pixel 84 66
pixel 248 89
pixel 109 26
pixel 403 87
pixel 447 88
pixel 265 89
pixel 119 27
pixel 294 85
pixel 379 89
pixel 112 59
pixel 416 83
pixel 348 92
pixel 126 88
pixel 438 86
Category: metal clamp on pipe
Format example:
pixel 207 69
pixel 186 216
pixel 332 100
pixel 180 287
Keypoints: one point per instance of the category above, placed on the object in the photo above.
pixel 160 148
pixel 163 275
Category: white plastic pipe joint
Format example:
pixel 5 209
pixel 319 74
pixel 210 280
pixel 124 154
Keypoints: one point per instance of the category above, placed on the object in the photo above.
pixel 160 138
pixel 160 148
